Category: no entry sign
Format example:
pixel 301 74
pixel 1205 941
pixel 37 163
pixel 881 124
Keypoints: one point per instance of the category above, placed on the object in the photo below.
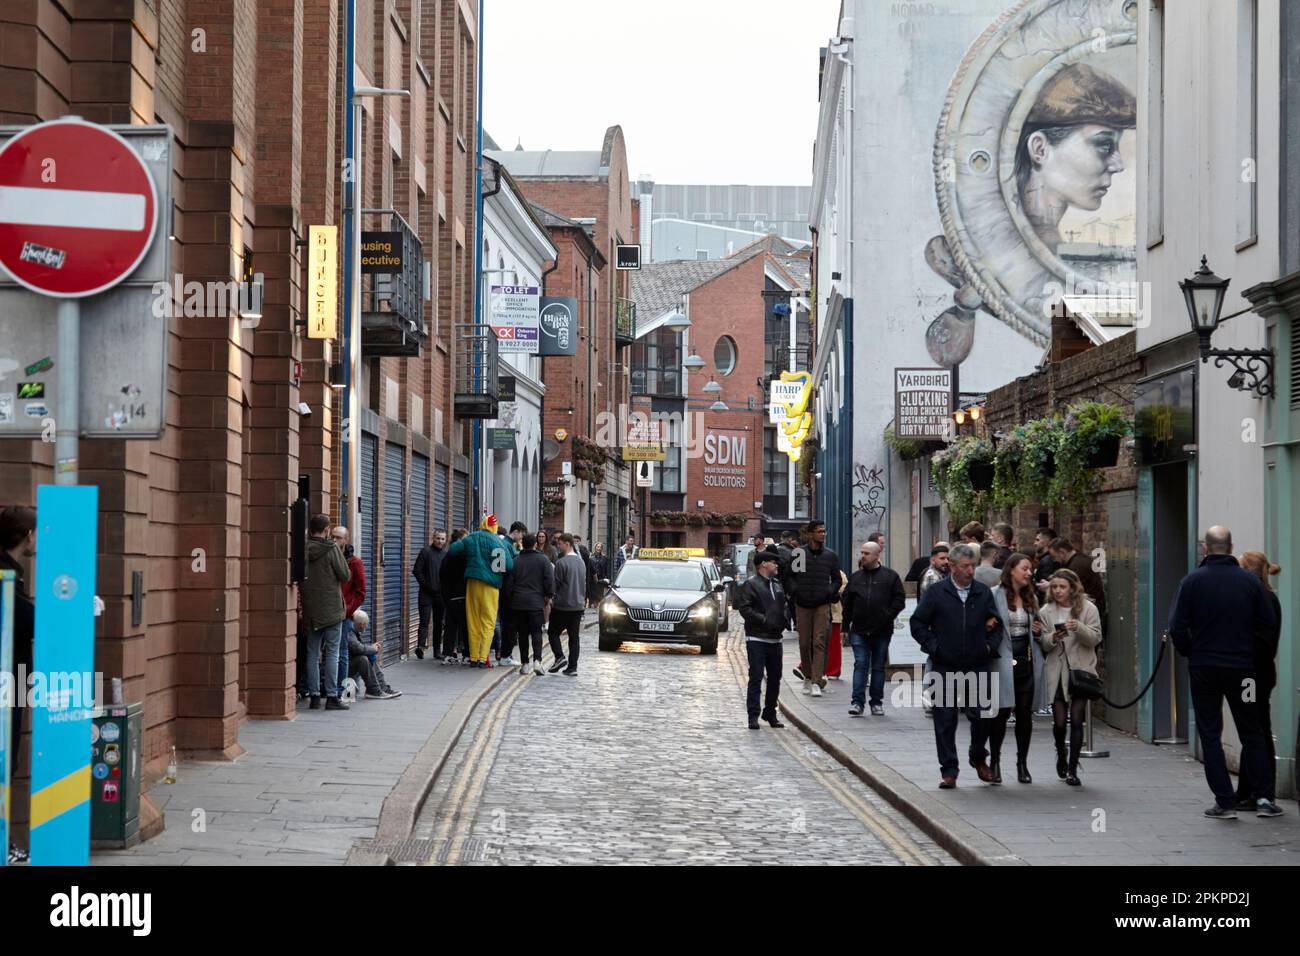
pixel 78 208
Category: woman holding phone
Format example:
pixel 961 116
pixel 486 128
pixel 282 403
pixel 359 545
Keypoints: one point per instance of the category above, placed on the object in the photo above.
pixel 1070 634
pixel 1020 663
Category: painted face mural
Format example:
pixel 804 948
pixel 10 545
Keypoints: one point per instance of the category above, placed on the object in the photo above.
pixel 1035 169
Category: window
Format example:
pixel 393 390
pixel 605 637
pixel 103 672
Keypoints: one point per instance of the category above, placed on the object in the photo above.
pixel 776 477
pixel 724 355
pixel 657 364
pixel 668 473
pixel 667 539
pixel 1247 121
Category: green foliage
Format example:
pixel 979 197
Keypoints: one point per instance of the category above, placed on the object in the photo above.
pixel 908 449
pixel 951 471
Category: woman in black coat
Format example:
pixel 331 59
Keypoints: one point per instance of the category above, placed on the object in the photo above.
pixel 1257 563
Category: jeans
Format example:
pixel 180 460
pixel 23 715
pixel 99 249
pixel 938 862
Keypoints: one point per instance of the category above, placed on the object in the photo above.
pixel 1210 687
pixel 360 667
pixel 1023 671
pixel 328 638
pixel 946 711
pixel 343 661
pixel 570 621
pixel 528 628
pixel 869 654
pixel 764 659
pixel 431 611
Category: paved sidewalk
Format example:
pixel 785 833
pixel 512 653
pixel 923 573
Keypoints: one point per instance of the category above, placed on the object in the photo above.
pixel 304 789
pixel 1149 799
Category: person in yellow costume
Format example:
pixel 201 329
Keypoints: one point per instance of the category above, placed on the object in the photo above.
pixel 487 561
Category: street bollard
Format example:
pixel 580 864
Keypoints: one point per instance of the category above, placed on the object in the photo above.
pixel 1087 750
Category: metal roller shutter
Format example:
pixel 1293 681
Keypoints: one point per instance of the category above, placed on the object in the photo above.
pixel 394 538
pixel 365 537
pixel 419 538
pixel 460 500
pixel 440 516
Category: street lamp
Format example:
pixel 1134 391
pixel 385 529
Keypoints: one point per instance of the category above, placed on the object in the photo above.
pixel 1204 293
pixel 693 361
pixel 719 406
pixel 711 386
pixel 677 321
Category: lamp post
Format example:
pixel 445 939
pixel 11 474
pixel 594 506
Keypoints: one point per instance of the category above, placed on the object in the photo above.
pixel 350 457
pixel 1204 293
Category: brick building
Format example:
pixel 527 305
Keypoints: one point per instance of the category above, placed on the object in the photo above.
pixel 723 478
pixel 253 95
pixel 590 189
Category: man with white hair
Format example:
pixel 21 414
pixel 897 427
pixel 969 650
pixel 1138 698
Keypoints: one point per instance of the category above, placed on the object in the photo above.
pixel 360 667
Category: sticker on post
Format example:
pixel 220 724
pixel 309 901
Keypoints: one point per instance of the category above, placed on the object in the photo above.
pixel 35 410
pixel 110 792
pixel 29 390
pixel 65 587
pixel 100 770
pixel 44 365
pixel 43 255
pixel 112 756
pixel 6 408
pixel 111 732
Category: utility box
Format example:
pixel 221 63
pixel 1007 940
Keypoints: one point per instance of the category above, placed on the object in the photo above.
pixel 115 776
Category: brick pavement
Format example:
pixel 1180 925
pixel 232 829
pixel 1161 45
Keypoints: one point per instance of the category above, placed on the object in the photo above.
pixel 1150 798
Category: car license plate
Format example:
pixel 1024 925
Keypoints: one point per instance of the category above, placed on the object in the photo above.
pixel 657 626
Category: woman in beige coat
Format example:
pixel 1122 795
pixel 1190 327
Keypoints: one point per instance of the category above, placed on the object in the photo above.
pixel 1070 635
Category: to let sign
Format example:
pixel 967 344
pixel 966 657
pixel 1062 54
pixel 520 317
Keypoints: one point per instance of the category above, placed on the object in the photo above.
pixel 78 208
pixel 322 282
pixel 922 401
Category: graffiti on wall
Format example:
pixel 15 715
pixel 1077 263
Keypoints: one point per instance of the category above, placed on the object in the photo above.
pixel 868 499
pixel 1035 169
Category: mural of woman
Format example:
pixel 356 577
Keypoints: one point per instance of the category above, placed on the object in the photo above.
pixel 1069 146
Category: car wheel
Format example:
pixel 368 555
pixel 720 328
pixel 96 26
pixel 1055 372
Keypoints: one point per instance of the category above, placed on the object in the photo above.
pixel 609 643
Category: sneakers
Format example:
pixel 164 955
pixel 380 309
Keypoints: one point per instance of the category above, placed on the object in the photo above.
pixel 315 704
pixel 1217 812
pixel 559 665
pixel 525 669
pixel 570 672
pixel 1267 808
pixel 538 669
pixel 798 672
pixel 855 710
pixel 508 661
pixel 333 703
pixel 419 653
pixel 877 710
pixel 816 690
pixel 807 686
pixel 385 695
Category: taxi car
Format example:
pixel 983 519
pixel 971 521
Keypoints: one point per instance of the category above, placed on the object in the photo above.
pixel 663 595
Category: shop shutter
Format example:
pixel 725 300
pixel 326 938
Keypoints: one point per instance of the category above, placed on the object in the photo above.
pixel 366 536
pixel 394 537
pixel 460 501
pixel 419 537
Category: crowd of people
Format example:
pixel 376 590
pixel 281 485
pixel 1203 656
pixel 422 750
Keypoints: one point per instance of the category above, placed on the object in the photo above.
pixel 1010 634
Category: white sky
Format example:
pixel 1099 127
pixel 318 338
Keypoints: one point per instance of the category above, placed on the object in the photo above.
pixel 707 91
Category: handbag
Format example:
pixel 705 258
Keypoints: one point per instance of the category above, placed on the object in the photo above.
pixel 1084 683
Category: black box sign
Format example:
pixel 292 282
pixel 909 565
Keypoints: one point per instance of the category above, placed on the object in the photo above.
pixel 381 252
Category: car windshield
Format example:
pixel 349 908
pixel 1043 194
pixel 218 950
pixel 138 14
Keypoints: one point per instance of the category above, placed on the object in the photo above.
pixel 682 577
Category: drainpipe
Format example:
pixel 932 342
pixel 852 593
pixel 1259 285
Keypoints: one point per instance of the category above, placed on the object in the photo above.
pixel 477 425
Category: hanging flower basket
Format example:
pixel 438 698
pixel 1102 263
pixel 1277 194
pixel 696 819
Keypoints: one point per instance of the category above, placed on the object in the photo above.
pixel 981 476
pixel 1105 454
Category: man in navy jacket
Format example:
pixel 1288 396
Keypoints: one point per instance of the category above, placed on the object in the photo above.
pixel 1221 610
pixel 958 626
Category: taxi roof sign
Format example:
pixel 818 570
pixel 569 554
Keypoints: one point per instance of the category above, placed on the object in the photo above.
pixel 663 554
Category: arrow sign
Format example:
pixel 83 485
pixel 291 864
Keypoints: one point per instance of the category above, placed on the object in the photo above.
pixel 78 208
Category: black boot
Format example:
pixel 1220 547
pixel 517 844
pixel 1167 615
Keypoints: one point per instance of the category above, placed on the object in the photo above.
pixel 996 766
pixel 1062 767
pixel 1022 771
pixel 1073 778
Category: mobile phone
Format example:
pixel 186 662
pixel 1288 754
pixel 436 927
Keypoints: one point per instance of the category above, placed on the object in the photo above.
pixel 1060 626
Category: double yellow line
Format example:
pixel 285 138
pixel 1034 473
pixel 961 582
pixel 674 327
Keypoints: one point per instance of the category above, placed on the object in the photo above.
pixel 895 840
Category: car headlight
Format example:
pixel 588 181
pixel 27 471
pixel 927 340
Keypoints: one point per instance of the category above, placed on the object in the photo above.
pixel 613 608
pixel 703 612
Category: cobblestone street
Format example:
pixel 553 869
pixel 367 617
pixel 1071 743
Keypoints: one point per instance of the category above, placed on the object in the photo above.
pixel 645 757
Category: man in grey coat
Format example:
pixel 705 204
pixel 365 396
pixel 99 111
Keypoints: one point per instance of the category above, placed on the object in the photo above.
pixel 322 606
pixel 570 601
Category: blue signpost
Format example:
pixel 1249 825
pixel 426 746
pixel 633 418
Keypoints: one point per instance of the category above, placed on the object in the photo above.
pixel 7 579
pixel 67 519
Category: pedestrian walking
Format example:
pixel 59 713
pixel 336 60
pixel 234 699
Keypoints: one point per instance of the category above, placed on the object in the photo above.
pixel 504 636
pixel 588 565
pixel 600 568
pixel 987 574
pixel 873 599
pixel 322 604
pixel 786 548
pixel 487 560
pixel 426 574
pixel 1019 666
pixel 1004 536
pixel 566 611
pixel 957 625
pixel 531 591
pixel 835 643
pixel 972 532
pixel 1065 556
pixel 354 594
pixel 1044 563
pixel 1069 638
pixel 760 602
pixel 545 547
pixel 1257 563
pixel 814 586
pixel 451 577
pixel 624 554
pixel 18 545
pixel 1220 618
pixel 938 569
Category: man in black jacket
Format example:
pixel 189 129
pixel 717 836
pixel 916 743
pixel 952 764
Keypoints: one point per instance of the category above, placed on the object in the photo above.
pixel 814 577
pixel 532 585
pixel 958 626
pixel 785 553
pixel 761 604
pixel 872 600
pixel 1220 612
pixel 1065 556
pixel 427 564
